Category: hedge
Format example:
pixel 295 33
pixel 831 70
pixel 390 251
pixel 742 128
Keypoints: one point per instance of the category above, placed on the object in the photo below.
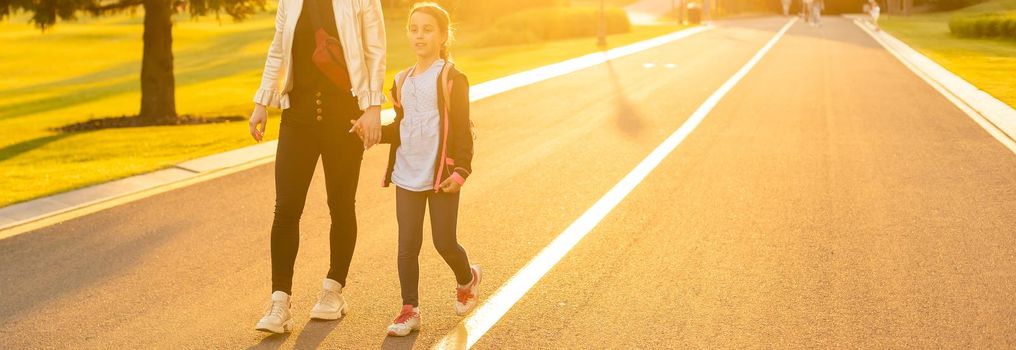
pixel 984 25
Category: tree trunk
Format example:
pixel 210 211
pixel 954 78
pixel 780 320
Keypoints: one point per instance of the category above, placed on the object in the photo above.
pixel 158 97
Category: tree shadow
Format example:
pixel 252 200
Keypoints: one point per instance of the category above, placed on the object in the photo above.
pixel 22 147
pixel 628 118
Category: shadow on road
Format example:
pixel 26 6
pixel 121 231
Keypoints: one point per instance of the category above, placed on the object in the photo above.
pixel 629 119
pixel 273 341
pixel 315 332
pixel 58 264
pixel 399 343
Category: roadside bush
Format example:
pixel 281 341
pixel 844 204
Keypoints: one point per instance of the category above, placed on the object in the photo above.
pixel 984 25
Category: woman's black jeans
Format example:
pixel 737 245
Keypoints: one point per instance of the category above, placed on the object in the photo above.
pixel 302 139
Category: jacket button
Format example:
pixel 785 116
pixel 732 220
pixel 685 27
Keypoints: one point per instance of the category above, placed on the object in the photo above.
pixel 318 102
pixel 319 118
pixel 318 94
pixel 319 110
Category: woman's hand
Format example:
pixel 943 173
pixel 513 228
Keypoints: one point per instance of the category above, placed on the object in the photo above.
pixel 368 127
pixel 258 118
pixel 449 185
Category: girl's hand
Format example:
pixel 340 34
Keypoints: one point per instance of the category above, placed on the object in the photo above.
pixel 258 118
pixel 368 127
pixel 450 186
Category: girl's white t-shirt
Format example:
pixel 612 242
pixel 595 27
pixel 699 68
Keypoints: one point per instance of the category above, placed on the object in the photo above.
pixel 419 131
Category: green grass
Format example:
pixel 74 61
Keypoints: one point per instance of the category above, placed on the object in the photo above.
pixel 90 68
pixel 989 64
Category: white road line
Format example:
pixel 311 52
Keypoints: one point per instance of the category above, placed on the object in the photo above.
pixel 533 76
pixel 522 79
pixel 473 327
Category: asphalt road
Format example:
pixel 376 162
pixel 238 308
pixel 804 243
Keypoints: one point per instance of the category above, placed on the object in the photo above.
pixel 831 199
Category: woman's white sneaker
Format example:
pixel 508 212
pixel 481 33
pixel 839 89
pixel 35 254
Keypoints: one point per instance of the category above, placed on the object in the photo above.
pixel 330 304
pixel 467 296
pixel 277 319
pixel 407 322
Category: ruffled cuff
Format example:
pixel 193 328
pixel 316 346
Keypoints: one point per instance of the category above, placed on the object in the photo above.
pixel 268 97
pixel 371 98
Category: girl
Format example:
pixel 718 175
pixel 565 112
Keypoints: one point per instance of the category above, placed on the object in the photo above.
pixel 429 160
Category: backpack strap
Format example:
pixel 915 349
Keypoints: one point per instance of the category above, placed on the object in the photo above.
pixel 400 80
pixel 446 84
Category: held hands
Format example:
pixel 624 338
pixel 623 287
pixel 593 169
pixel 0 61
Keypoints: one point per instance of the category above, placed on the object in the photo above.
pixel 450 186
pixel 258 118
pixel 368 127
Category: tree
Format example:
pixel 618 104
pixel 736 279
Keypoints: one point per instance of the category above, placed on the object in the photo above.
pixel 158 98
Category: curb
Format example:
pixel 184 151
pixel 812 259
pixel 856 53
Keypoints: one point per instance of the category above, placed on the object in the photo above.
pixel 38 213
pixel 42 212
pixel 995 116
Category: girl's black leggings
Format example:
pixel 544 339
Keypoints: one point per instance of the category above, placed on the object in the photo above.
pixel 410 207
pixel 301 143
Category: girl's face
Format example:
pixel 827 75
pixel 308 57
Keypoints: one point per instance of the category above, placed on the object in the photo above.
pixel 425 37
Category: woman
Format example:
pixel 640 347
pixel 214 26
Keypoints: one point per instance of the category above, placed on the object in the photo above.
pixel 325 66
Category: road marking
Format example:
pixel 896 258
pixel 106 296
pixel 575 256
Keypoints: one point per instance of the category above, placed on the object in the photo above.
pixel 473 327
pixel 649 65
pixel 536 75
pixel 532 76
pixel 670 66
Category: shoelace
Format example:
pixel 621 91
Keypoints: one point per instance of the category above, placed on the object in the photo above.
pixel 405 316
pixel 327 297
pixel 276 309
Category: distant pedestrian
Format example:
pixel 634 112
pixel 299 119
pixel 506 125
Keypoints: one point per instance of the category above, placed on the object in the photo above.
pixel 786 6
pixel 874 11
pixel 806 10
pixel 816 12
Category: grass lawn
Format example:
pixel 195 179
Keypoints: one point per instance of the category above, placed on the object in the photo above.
pixel 90 68
pixel 989 64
